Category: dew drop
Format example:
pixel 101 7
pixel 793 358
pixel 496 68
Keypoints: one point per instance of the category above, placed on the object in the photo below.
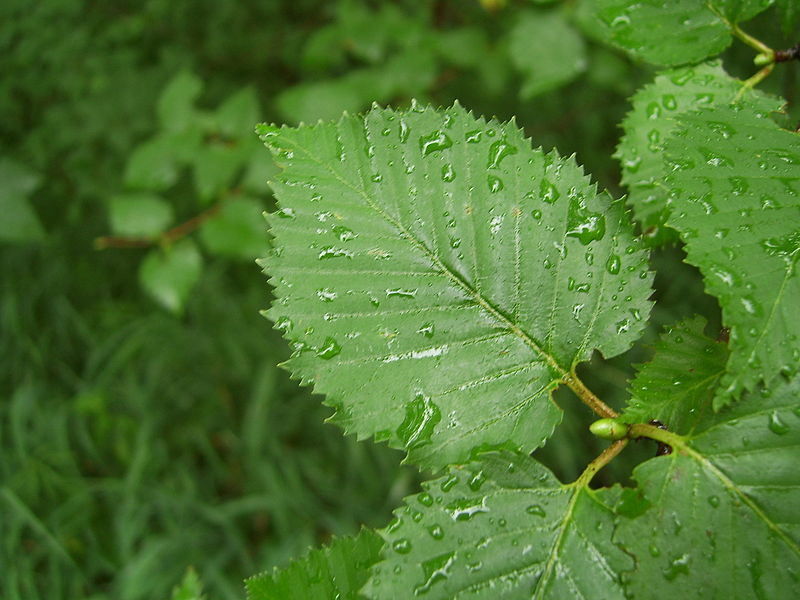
pixel 421 418
pixel 536 510
pixel 613 264
pixel 329 349
pixel 427 329
pixel 448 173
pixel 713 501
pixel 436 532
pixel 548 191
pixel 499 150
pixel 345 234
pixel 495 184
pixel 776 425
pixel 402 546
pixel 434 142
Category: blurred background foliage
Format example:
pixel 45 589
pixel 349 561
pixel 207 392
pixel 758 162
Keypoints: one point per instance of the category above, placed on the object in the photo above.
pixel 144 424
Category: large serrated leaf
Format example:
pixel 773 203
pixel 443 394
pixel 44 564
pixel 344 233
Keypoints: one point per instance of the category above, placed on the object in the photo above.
pixel 735 190
pixel 650 123
pixel 723 521
pixel 677 386
pixel 668 33
pixel 337 571
pixel 501 527
pixel 438 277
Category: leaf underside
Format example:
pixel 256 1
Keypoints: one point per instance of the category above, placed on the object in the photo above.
pixel 736 173
pixel 677 386
pixel 438 278
pixel 652 120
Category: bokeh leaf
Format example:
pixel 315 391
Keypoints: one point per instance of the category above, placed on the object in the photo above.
pixel 501 527
pixel 19 223
pixel 139 215
pixel 438 278
pixel 176 104
pixel 338 570
pixel 677 386
pixel 651 121
pixel 153 166
pixel 546 49
pixel 237 116
pixel 723 521
pixel 237 231
pixel 736 173
pixel 169 275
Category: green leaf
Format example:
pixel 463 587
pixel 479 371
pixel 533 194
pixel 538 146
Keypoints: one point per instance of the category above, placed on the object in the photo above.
pixel 152 166
pixel 20 223
pixel 259 170
pixel 17 179
pixel 176 104
pixel 190 588
pixel 501 527
pixel 546 49
pixel 139 215
pixel 667 33
pixel 236 117
pixel 237 231
pixel 677 386
pixel 337 571
pixel 652 120
pixel 169 275
pixel 215 168
pixel 438 278
pixel 723 521
pixel 735 188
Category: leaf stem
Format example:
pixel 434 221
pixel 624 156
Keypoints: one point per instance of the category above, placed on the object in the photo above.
pixel 640 430
pixel 587 396
pixel 750 40
pixel 605 457
pixel 753 81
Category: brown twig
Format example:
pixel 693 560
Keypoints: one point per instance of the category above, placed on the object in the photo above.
pixel 168 237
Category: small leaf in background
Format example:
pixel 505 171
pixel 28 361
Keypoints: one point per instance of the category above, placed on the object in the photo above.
pixel 723 520
pixel 152 166
pixel 238 230
pixel 259 171
pixel 666 33
pixel 176 104
pixel 189 589
pixel 19 222
pixel 735 190
pixel 338 570
pixel 440 277
pixel 169 274
pixel 216 165
pixel 502 527
pixel 677 386
pixel 236 116
pixel 547 50
pixel 139 215
pixel 652 120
